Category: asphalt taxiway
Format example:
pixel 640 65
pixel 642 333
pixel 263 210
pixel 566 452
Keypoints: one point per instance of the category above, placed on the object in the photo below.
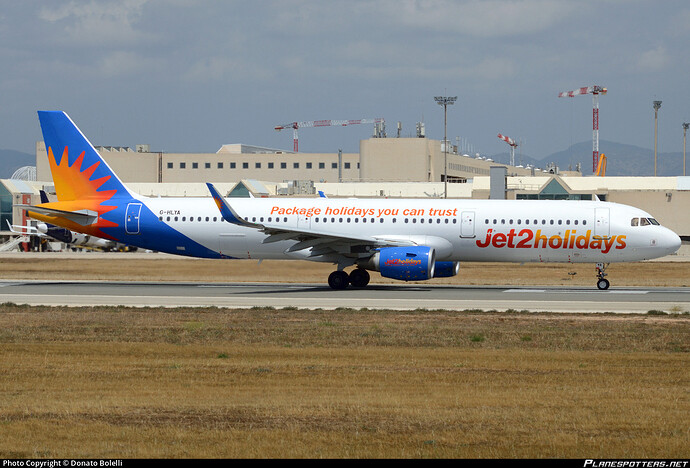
pixel 312 296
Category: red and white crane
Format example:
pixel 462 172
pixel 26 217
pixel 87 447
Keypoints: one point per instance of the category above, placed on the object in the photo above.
pixel 512 144
pixel 321 123
pixel 595 91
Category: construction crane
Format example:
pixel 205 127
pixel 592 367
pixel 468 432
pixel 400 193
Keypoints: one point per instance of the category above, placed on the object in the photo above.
pixel 512 144
pixel 595 91
pixel 321 123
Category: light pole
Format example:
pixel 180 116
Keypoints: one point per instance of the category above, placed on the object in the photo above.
pixel 445 102
pixel 685 130
pixel 657 105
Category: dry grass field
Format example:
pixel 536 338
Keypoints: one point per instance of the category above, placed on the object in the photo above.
pixel 130 383
pixel 96 382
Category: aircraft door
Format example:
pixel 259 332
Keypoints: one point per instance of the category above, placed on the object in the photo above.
pixel 132 218
pixel 601 222
pixel 467 224
pixel 303 222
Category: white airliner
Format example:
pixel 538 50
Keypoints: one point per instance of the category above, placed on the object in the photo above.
pixel 404 239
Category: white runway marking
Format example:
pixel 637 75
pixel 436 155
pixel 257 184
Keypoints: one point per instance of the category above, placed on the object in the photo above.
pixel 571 291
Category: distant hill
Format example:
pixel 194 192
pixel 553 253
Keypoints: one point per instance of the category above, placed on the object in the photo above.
pixel 11 160
pixel 622 160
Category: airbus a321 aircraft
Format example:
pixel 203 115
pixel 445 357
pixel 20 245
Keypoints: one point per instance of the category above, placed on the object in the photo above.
pixel 403 239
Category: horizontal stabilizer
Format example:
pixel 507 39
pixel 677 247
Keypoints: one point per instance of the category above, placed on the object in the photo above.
pixel 82 217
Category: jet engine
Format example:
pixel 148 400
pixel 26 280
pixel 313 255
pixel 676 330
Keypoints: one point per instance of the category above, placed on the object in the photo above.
pixel 446 269
pixel 402 263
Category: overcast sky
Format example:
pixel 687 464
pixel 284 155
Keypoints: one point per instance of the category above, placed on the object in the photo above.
pixel 192 75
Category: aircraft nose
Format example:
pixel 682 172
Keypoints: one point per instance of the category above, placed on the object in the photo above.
pixel 671 242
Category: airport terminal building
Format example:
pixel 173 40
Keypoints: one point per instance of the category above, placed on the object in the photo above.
pixel 384 167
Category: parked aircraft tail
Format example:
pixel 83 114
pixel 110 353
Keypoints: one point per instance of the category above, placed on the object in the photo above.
pixel 91 198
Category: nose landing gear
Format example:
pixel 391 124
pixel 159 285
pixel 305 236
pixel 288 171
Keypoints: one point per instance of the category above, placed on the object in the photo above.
pixel 602 282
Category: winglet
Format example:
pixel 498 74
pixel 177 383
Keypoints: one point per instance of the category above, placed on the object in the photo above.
pixel 226 210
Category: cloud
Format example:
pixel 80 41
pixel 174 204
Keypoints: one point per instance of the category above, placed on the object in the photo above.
pixel 96 23
pixel 494 18
pixel 653 60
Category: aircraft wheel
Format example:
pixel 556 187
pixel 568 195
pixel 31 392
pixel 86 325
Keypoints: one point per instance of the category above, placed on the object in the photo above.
pixel 359 278
pixel 338 280
pixel 603 284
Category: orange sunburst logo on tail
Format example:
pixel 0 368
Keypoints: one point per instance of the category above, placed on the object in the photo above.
pixel 77 191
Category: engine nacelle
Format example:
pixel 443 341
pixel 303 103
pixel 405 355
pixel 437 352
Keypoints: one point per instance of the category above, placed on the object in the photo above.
pixel 403 263
pixel 446 269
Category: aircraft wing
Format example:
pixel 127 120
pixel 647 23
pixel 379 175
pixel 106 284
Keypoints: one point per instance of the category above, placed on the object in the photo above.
pixel 322 243
pixel 25 230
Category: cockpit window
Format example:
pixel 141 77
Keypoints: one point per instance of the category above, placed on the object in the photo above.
pixel 644 222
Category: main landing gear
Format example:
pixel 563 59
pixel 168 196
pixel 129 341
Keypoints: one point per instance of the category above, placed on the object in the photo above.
pixel 358 278
pixel 602 282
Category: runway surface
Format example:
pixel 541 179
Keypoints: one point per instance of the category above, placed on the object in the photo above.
pixel 312 296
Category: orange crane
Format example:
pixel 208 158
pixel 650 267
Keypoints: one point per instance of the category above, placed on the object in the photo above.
pixel 321 123
pixel 601 167
pixel 595 91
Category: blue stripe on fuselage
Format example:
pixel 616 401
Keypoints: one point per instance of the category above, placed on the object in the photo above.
pixel 154 234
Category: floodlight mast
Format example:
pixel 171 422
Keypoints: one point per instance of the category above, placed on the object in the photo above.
pixel 657 106
pixel 445 101
pixel 685 131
